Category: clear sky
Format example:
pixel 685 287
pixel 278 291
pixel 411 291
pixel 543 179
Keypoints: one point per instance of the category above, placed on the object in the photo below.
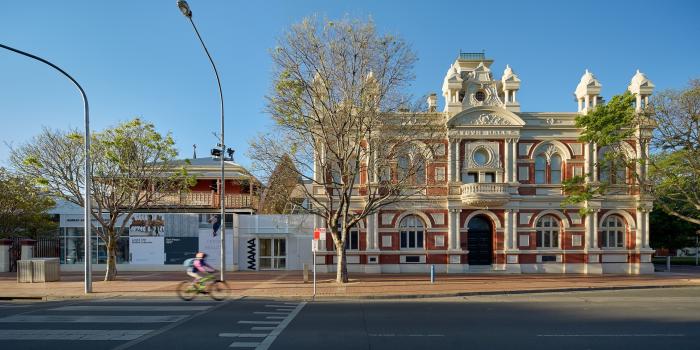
pixel 141 58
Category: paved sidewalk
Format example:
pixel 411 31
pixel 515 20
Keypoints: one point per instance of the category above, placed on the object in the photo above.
pixel 289 284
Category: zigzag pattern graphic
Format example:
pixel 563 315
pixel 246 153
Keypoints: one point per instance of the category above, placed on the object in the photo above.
pixel 251 254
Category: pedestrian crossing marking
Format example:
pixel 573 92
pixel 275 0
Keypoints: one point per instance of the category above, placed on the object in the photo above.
pixel 132 308
pixel 72 334
pixel 259 322
pixel 91 319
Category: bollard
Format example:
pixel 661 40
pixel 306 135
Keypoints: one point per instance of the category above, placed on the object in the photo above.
pixel 432 273
pixel 306 273
pixel 668 263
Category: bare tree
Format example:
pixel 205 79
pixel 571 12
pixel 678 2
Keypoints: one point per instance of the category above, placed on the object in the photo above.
pixel 342 118
pixel 131 168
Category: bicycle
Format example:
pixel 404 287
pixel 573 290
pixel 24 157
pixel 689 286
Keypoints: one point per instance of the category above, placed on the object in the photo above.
pixel 216 289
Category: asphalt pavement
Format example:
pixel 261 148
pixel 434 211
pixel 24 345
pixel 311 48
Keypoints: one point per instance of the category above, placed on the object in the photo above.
pixel 638 319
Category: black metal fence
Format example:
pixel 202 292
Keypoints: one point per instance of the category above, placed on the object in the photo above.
pixel 43 248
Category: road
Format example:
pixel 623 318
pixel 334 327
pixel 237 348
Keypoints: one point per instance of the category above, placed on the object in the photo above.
pixel 634 319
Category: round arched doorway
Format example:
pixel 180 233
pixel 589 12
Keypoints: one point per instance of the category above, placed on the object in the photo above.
pixel 479 241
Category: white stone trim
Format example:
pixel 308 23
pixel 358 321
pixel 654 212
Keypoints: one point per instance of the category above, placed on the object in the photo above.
pixel 488 213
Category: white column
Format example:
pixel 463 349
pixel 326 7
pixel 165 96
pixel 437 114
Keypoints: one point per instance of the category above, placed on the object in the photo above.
pixel 595 228
pixel 639 241
pixel 586 103
pixel 514 160
pixel 587 161
pixel 507 163
pixel 508 229
pixel 458 172
pixel 450 161
pixel 590 231
pixel 372 231
pixel 453 229
pixel 594 164
pixel 514 230
pixel 645 233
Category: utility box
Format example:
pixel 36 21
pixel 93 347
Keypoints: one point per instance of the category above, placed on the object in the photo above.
pixel 46 270
pixel 24 271
pixel 38 270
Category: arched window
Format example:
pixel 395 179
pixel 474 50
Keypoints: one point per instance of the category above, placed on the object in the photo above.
pixel 420 170
pixel 555 169
pixel 540 168
pixel 613 232
pixel 411 170
pixel 612 166
pixel 547 232
pixel 412 232
pixel 402 167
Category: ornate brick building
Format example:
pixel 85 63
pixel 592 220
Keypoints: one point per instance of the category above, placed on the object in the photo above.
pixel 494 199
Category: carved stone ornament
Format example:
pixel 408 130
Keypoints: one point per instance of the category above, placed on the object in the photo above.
pixel 552 121
pixel 490 119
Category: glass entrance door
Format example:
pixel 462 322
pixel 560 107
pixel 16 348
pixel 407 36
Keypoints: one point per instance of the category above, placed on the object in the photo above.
pixel 272 253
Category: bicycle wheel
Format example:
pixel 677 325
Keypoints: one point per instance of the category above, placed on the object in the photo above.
pixel 186 291
pixel 218 290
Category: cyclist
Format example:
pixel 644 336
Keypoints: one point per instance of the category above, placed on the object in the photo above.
pixel 199 265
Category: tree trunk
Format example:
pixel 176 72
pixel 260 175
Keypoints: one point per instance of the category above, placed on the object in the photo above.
pixel 111 272
pixel 342 266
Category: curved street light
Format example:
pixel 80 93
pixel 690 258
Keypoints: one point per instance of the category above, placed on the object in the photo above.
pixel 86 198
pixel 185 9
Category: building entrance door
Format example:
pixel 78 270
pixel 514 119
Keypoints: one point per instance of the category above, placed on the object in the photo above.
pixel 479 241
pixel 272 254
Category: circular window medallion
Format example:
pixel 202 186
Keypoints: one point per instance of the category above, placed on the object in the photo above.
pixel 480 96
pixel 481 157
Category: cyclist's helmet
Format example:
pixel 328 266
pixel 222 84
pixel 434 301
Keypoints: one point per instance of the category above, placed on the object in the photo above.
pixel 201 255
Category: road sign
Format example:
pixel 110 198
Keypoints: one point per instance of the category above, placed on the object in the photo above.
pixel 320 234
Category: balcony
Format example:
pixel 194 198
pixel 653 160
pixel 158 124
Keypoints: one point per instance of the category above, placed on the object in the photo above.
pixel 205 200
pixel 485 194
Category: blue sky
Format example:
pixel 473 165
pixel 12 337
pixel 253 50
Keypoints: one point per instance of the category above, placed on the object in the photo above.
pixel 141 58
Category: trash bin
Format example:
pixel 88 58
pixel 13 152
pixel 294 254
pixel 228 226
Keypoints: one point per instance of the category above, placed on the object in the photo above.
pixel 46 270
pixel 24 271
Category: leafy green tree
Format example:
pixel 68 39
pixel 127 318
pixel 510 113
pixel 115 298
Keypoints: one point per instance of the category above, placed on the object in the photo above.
pixel 131 164
pixel 669 231
pixel 675 167
pixel 673 178
pixel 23 207
pixel 611 126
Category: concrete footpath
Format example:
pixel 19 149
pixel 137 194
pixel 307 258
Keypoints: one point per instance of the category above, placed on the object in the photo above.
pixel 289 284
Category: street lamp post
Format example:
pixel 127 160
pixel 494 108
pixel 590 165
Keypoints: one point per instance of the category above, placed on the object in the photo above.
pixel 185 9
pixel 86 198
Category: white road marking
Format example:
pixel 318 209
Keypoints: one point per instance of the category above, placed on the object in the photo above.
pixel 243 335
pixel 270 313
pixel 276 317
pixel 72 334
pixel 280 305
pixel 240 344
pixel 259 322
pixel 295 304
pixel 261 328
pixel 91 319
pixel 132 308
pixel 153 301
pixel 282 310
pixel 611 335
pixel 267 342
pixel 404 335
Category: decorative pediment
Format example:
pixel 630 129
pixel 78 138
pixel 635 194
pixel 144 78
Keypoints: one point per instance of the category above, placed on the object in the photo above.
pixel 485 117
